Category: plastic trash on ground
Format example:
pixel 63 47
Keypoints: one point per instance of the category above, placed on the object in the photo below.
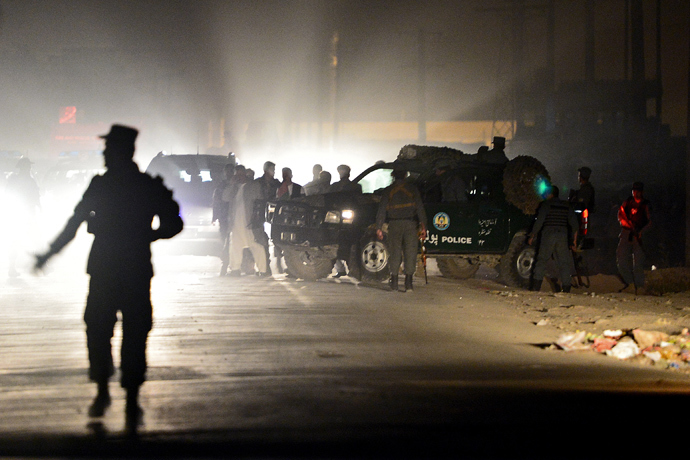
pixel 601 344
pixel 613 334
pixel 624 349
pixel 646 339
pixel 573 341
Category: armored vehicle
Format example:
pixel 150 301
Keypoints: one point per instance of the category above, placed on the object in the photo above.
pixel 478 211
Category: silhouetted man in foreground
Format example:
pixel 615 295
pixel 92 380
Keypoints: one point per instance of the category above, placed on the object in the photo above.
pixel 118 208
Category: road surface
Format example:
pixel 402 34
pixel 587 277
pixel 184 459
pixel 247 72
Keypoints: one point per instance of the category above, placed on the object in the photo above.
pixel 278 368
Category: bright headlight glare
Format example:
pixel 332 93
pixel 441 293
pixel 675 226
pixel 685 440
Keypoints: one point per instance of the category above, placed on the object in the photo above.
pixel 332 217
pixel 348 216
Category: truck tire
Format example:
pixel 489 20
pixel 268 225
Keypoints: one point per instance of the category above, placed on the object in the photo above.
pixel 307 264
pixel 458 268
pixel 373 259
pixel 515 268
pixel 524 178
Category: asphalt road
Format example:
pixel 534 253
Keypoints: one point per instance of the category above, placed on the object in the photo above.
pixel 244 367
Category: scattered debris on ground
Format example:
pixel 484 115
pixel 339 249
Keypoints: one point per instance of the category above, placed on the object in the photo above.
pixel 645 347
pixel 650 329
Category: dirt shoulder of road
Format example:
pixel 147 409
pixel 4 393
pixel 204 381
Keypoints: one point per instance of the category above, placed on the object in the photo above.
pixel 601 311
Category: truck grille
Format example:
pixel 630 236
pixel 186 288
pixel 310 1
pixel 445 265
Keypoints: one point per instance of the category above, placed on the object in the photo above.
pixel 297 216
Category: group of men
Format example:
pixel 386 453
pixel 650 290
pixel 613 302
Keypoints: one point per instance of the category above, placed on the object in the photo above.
pixel 119 206
pixel 238 207
pixel 558 229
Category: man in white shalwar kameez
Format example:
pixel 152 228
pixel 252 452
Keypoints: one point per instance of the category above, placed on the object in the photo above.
pixel 242 235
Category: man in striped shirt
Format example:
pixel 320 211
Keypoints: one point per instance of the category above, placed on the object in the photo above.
pixel 556 226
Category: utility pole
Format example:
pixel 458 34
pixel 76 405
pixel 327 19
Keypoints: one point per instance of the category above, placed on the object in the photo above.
pixel 333 68
pixel 687 166
pixel 421 86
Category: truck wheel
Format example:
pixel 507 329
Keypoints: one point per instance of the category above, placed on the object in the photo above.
pixel 523 176
pixel 373 258
pixel 306 264
pixel 515 268
pixel 458 268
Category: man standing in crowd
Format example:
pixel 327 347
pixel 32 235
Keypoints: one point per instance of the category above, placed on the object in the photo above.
pixel 635 217
pixel 266 187
pixel 312 187
pixel 345 184
pixel 228 200
pixel 556 226
pixel 401 206
pixel 582 201
pixel 221 211
pixel 583 198
pixel 118 208
pixel 324 185
pixel 244 230
pixel 288 190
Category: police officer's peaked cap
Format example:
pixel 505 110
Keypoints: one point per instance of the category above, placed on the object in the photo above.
pixel 120 134
pixel 499 141
pixel 638 186
pixel 585 172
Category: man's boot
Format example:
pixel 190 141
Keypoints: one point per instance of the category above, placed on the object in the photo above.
pixel 133 412
pixel 566 288
pixel 408 283
pixel 393 282
pixel 536 285
pixel 101 402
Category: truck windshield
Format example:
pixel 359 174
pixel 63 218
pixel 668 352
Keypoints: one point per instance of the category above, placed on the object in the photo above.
pixel 375 180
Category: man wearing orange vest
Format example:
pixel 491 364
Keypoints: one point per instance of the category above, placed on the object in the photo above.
pixel 401 206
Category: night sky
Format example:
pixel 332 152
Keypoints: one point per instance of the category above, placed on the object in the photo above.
pixel 172 65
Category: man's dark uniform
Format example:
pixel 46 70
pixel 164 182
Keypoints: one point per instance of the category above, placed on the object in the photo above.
pixel 557 222
pixel 119 207
pixel 401 206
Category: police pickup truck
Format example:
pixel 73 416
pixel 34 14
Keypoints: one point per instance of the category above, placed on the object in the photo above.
pixel 484 221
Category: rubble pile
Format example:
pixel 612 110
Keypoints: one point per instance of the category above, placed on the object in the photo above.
pixel 655 348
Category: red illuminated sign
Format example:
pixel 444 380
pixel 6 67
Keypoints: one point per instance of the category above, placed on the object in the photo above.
pixel 68 115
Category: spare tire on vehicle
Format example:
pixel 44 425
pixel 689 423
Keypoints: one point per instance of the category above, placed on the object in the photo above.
pixel 524 182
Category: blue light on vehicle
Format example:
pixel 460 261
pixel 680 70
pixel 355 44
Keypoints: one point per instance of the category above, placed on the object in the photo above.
pixel 542 187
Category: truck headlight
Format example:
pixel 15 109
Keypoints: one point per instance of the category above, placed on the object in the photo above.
pixel 347 216
pixel 332 217
pixel 335 217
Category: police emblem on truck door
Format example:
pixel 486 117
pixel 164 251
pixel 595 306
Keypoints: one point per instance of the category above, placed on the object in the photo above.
pixel 441 221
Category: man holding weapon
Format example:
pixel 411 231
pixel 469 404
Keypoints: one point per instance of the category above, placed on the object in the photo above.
pixel 635 217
